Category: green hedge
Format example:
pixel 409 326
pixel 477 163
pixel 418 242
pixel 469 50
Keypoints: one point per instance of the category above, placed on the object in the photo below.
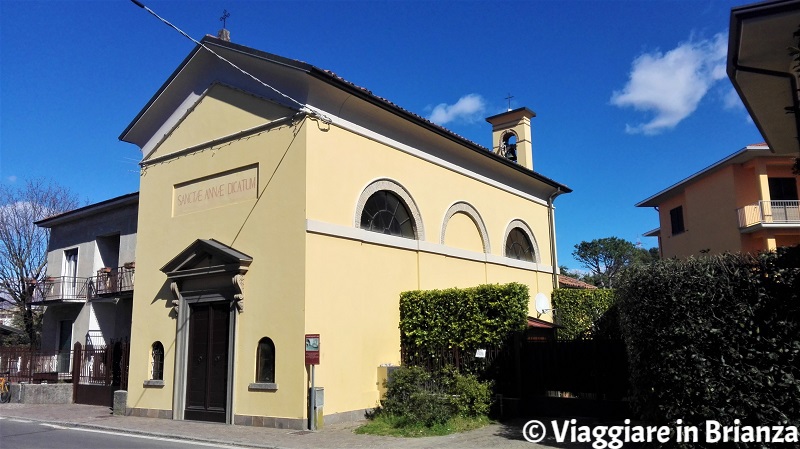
pixel 715 338
pixel 578 310
pixel 417 397
pixel 481 316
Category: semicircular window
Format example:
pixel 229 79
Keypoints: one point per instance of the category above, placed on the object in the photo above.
pixel 518 245
pixel 385 213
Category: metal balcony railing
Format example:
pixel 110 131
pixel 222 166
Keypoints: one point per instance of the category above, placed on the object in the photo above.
pixel 61 288
pixel 770 212
pixel 114 281
pixel 108 282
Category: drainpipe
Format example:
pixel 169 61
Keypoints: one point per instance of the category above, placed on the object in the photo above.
pixel 551 220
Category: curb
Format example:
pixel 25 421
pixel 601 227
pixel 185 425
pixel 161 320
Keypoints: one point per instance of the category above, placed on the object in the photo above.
pixel 143 433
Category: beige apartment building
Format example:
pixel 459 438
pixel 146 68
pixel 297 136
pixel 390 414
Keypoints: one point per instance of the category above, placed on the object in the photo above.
pixel 746 202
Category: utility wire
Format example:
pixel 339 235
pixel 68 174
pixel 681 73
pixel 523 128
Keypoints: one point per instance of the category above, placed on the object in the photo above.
pixel 303 107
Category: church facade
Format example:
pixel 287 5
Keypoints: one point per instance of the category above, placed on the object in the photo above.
pixel 293 202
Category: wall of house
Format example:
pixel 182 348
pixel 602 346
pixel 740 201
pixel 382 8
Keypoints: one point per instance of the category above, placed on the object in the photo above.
pixel 354 277
pixel 709 213
pixel 268 227
pixel 83 323
pixel 113 318
pixel 51 320
pixel 788 239
pixel 746 184
pixel 83 233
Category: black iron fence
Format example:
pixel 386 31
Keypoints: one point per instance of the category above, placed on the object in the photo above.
pixel 101 365
pixel 526 369
pixel 90 365
pixel 590 369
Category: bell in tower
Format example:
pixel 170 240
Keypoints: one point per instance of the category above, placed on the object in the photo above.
pixel 508 146
pixel 511 136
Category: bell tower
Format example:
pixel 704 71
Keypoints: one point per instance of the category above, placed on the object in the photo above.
pixel 511 136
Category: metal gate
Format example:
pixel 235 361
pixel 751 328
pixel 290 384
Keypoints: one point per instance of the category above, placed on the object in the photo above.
pixel 97 371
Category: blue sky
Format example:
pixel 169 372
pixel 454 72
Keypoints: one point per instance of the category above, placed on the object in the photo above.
pixel 631 96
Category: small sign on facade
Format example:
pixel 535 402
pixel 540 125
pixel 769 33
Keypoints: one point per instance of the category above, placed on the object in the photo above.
pixel 312 349
pixel 480 353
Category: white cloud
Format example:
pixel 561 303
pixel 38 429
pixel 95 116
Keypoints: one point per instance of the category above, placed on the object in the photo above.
pixel 468 108
pixel 731 100
pixel 11 179
pixel 670 85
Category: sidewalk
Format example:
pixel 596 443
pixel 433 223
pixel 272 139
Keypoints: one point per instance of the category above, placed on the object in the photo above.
pixel 332 436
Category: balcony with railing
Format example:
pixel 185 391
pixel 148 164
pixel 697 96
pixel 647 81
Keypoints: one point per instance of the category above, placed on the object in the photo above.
pixel 61 289
pixel 114 281
pixel 770 213
pixel 109 282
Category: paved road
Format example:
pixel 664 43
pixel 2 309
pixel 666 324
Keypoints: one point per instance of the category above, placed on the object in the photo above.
pixel 333 436
pixel 24 434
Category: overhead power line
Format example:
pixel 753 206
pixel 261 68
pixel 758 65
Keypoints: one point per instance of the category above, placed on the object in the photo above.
pixel 303 107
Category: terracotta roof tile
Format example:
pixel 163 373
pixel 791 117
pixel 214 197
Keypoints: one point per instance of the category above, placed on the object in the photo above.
pixel 568 282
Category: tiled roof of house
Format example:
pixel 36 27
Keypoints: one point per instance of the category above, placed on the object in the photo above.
pixel 542 324
pixel 568 282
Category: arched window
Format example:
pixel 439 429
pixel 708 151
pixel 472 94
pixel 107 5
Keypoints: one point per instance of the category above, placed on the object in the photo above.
pixel 265 361
pixel 518 246
pixel 521 243
pixel 386 207
pixel 157 360
pixel 385 213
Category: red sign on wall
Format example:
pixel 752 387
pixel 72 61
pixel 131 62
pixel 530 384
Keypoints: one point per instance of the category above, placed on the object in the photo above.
pixel 312 349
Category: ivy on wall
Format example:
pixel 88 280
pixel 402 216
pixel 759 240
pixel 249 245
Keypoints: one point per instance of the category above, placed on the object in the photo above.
pixel 476 317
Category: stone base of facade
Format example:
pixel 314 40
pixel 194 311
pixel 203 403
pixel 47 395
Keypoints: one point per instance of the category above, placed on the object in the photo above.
pixel 353 415
pixel 261 421
pixel 149 413
pixel 269 421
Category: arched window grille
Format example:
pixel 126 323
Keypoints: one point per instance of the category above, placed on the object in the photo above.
pixel 385 213
pixel 518 246
pixel 157 361
pixel 265 361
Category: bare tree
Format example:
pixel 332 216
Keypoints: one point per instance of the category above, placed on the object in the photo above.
pixel 23 245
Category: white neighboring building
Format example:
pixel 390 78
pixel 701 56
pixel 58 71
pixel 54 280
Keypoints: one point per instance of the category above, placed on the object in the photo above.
pixel 88 292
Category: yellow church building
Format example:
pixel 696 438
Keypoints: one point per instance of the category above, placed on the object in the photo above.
pixel 279 200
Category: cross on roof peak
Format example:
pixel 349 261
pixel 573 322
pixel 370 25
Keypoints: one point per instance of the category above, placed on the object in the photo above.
pixel 509 97
pixel 224 18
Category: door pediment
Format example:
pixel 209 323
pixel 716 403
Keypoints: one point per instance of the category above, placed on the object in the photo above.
pixel 206 257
